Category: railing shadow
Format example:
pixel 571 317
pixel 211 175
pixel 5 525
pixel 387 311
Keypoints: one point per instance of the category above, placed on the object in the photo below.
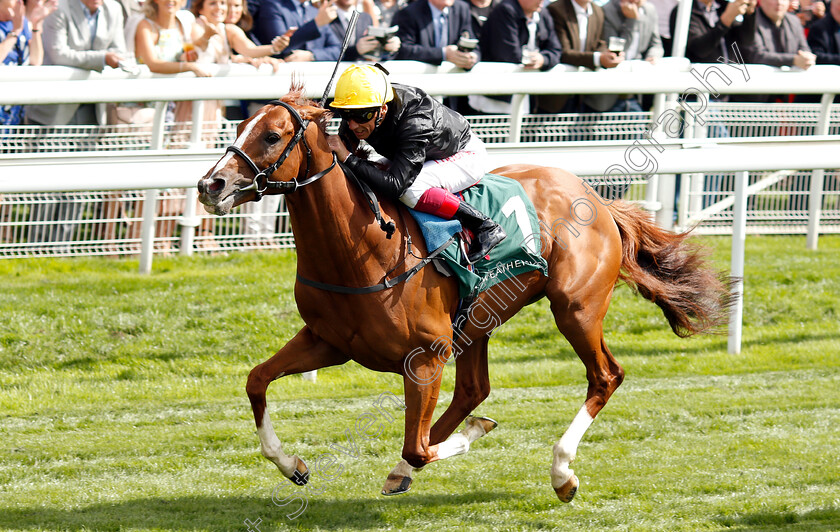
pixel 231 513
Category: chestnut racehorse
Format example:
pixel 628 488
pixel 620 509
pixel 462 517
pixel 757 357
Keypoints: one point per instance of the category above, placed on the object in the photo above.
pixel 590 243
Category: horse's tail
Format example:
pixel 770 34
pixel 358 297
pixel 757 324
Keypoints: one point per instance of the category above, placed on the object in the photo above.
pixel 671 272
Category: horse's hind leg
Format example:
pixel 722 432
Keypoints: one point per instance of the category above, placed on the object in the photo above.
pixel 472 386
pixel 304 352
pixel 585 332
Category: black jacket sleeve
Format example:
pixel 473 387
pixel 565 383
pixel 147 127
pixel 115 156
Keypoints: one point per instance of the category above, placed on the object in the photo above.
pixel 404 166
pixel 822 40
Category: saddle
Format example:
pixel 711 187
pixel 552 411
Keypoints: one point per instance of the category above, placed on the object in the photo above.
pixel 504 200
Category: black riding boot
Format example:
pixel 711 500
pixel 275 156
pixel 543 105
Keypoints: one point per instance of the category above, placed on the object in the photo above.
pixel 487 233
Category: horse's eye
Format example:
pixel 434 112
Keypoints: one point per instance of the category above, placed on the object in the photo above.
pixel 272 138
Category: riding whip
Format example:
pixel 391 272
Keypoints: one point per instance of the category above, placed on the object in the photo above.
pixel 351 29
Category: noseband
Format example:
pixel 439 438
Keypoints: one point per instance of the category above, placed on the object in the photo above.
pixel 261 182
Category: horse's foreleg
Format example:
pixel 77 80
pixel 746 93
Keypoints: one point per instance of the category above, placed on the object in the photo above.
pixel 304 352
pixel 400 478
pixel 604 376
pixel 472 380
pixel 422 384
pixel 472 386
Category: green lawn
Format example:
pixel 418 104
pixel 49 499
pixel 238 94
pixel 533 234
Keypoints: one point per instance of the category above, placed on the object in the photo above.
pixel 122 407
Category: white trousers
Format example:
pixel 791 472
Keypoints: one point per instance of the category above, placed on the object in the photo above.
pixel 455 173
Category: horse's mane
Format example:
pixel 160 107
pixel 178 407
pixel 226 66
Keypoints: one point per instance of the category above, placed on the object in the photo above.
pixel 320 115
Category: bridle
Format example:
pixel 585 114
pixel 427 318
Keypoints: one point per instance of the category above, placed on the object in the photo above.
pixel 261 182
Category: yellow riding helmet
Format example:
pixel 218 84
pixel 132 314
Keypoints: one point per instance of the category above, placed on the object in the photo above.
pixel 362 86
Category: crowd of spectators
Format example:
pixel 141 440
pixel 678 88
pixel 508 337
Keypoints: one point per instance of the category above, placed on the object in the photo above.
pixel 170 37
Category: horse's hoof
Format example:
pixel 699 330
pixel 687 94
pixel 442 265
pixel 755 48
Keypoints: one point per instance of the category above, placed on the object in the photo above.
pixel 567 491
pixel 396 485
pixel 301 475
pixel 485 422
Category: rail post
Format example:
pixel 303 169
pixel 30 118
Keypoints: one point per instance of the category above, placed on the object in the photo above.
pixel 147 229
pixel 815 194
pixel 739 233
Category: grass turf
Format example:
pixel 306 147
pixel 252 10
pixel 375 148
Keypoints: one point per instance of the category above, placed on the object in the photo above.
pixel 122 407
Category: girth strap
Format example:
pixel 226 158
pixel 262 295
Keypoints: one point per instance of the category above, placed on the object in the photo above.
pixel 387 283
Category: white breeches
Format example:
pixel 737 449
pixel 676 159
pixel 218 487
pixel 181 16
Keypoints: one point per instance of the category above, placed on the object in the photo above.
pixel 455 173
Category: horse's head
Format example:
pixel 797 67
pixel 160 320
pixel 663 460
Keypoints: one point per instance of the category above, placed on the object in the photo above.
pixel 270 154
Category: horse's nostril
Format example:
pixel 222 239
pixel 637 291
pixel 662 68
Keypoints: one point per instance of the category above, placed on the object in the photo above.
pixel 217 185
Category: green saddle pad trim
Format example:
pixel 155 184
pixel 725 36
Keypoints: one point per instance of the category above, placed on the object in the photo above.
pixel 504 200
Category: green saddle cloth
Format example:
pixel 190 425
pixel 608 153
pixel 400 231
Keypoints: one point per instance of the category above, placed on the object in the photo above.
pixel 504 200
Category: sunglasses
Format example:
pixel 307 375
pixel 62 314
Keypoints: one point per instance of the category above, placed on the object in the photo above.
pixel 360 116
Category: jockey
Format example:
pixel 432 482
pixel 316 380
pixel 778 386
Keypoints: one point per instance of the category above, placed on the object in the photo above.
pixel 431 151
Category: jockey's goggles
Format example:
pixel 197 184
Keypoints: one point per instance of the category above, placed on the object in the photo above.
pixel 360 116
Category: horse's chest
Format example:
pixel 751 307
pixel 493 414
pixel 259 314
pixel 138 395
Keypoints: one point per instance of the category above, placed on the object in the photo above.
pixel 368 334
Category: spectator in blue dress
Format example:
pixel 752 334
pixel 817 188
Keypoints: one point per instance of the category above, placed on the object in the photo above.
pixel 20 41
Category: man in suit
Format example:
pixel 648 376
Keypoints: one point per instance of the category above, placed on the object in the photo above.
pixel 85 34
pixel 514 28
pixel 480 10
pixel 362 46
pixel 779 38
pixel 312 41
pixel 579 25
pixel 637 22
pixel 715 26
pixel 824 37
pixel 430 30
